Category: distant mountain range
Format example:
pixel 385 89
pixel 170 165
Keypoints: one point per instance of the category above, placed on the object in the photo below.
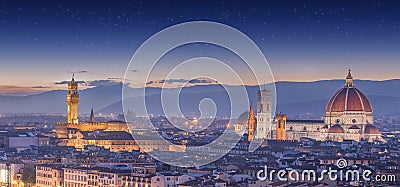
pixel 293 98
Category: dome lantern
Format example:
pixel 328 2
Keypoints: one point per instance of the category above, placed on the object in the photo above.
pixel 349 80
pixel 348 98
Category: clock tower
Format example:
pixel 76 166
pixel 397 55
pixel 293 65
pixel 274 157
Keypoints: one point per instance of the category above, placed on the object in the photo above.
pixel 72 100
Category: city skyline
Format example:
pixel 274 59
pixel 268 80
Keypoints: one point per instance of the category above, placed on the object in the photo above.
pixel 44 43
pixel 199 93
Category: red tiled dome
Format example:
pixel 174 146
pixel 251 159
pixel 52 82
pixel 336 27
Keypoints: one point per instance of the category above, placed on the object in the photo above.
pixel 336 129
pixel 348 98
pixel 371 129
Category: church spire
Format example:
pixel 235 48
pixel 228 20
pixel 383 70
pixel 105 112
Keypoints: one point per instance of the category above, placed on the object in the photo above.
pixel 349 80
pixel 251 112
pixel 91 116
pixel 251 124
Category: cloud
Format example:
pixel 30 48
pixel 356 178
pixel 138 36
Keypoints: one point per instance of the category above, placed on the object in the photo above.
pixel 155 82
pixel 171 81
pixel 203 81
pixel 20 90
pixel 78 72
pixel 117 79
pixel 101 82
pixel 181 82
pixel 62 82
pixel 108 82
pixel 40 87
pixel 66 82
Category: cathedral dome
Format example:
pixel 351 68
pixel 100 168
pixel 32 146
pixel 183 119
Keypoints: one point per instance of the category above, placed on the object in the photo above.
pixel 336 129
pixel 371 129
pixel 348 98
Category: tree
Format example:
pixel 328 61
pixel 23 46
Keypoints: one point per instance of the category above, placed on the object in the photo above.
pixel 29 174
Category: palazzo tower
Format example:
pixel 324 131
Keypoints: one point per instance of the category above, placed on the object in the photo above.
pixel 72 101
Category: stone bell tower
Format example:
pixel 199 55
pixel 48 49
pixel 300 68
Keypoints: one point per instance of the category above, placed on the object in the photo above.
pixel 265 129
pixel 72 100
pixel 251 124
pixel 281 127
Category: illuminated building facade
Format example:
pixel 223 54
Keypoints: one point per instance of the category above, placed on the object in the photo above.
pixel 115 141
pixel 67 131
pixel 348 116
pixel 11 173
pixel 49 175
pixel 265 128
pixel 112 176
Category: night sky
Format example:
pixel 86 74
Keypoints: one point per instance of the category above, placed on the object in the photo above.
pixel 42 43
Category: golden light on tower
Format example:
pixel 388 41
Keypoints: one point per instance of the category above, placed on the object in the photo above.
pixel 72 101
pixel 251 124
pixel 281 127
